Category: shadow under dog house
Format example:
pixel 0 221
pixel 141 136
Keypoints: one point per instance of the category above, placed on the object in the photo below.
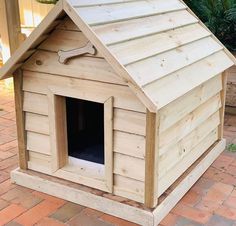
pixel 119 104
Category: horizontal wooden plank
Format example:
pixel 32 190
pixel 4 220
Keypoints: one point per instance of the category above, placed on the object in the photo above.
pixel 169 178
pixel 124 142
pixel 42 163
pixel 129 188
pixel 104 14
pixel 176 110
pixel 81 67
pixel 40 158
pixel 83 89
pixel 65 40
pixel 67 190
pixel 128 166
pixel 151 69
pixel 123 186
pixel 35 103
pixel 186 125
pixel 84 168
pixel 38 167
pixel 37 123
pixel 131 29
pixel 171 87
pixel 231 76
pixel 79 179
pixel 177 152
pixel 129 144
pixel 76 3
pixel 39 162
pixel 38 143
pixel 130 122
pixel 142 48
pixel 187 180
pixel 67 24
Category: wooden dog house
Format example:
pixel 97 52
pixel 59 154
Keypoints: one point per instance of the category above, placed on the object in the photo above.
pixel 119 104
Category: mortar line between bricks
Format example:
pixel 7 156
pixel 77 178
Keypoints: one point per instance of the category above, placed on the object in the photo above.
pixel 5 191
pixel 18 215
pixel 27 211
pixel 5 179
pixel 224 172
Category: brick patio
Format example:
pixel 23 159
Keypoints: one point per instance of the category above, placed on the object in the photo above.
pixel 211 202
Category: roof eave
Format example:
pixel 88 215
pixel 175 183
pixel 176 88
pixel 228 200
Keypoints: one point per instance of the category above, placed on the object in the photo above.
pixel 25 49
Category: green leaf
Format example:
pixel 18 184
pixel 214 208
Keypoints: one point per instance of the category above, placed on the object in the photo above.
pixel 231 147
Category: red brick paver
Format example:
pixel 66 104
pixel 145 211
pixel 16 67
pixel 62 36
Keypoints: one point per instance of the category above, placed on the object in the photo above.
pixel 49 222
pixel 10 213
pixel 38 212
pixel 211 201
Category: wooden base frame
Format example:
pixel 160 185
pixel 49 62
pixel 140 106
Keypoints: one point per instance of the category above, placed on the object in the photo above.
pixel 140 215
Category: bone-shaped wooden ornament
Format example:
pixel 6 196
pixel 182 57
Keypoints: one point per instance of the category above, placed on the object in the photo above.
pixel 64 56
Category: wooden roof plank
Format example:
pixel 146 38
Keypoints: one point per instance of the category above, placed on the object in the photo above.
pixel 156 67
pixel 142 48
pixel 137 28
pixel 86 3
pixel 104 14
pixel 169 88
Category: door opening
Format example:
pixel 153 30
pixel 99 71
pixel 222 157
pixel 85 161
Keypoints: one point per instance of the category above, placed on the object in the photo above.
pixel 85 130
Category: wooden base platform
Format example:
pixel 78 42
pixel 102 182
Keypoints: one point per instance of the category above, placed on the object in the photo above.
pixel 113 205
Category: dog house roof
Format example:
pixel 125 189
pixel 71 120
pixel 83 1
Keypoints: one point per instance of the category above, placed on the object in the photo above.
pixel 160 48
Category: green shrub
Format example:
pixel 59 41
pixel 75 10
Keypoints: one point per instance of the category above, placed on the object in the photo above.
pixel 219 16
pixel 231 147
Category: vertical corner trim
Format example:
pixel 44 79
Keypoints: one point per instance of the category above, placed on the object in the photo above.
pixel 108 132
pixel 152 124
pixel 20 119
pixel 223 99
